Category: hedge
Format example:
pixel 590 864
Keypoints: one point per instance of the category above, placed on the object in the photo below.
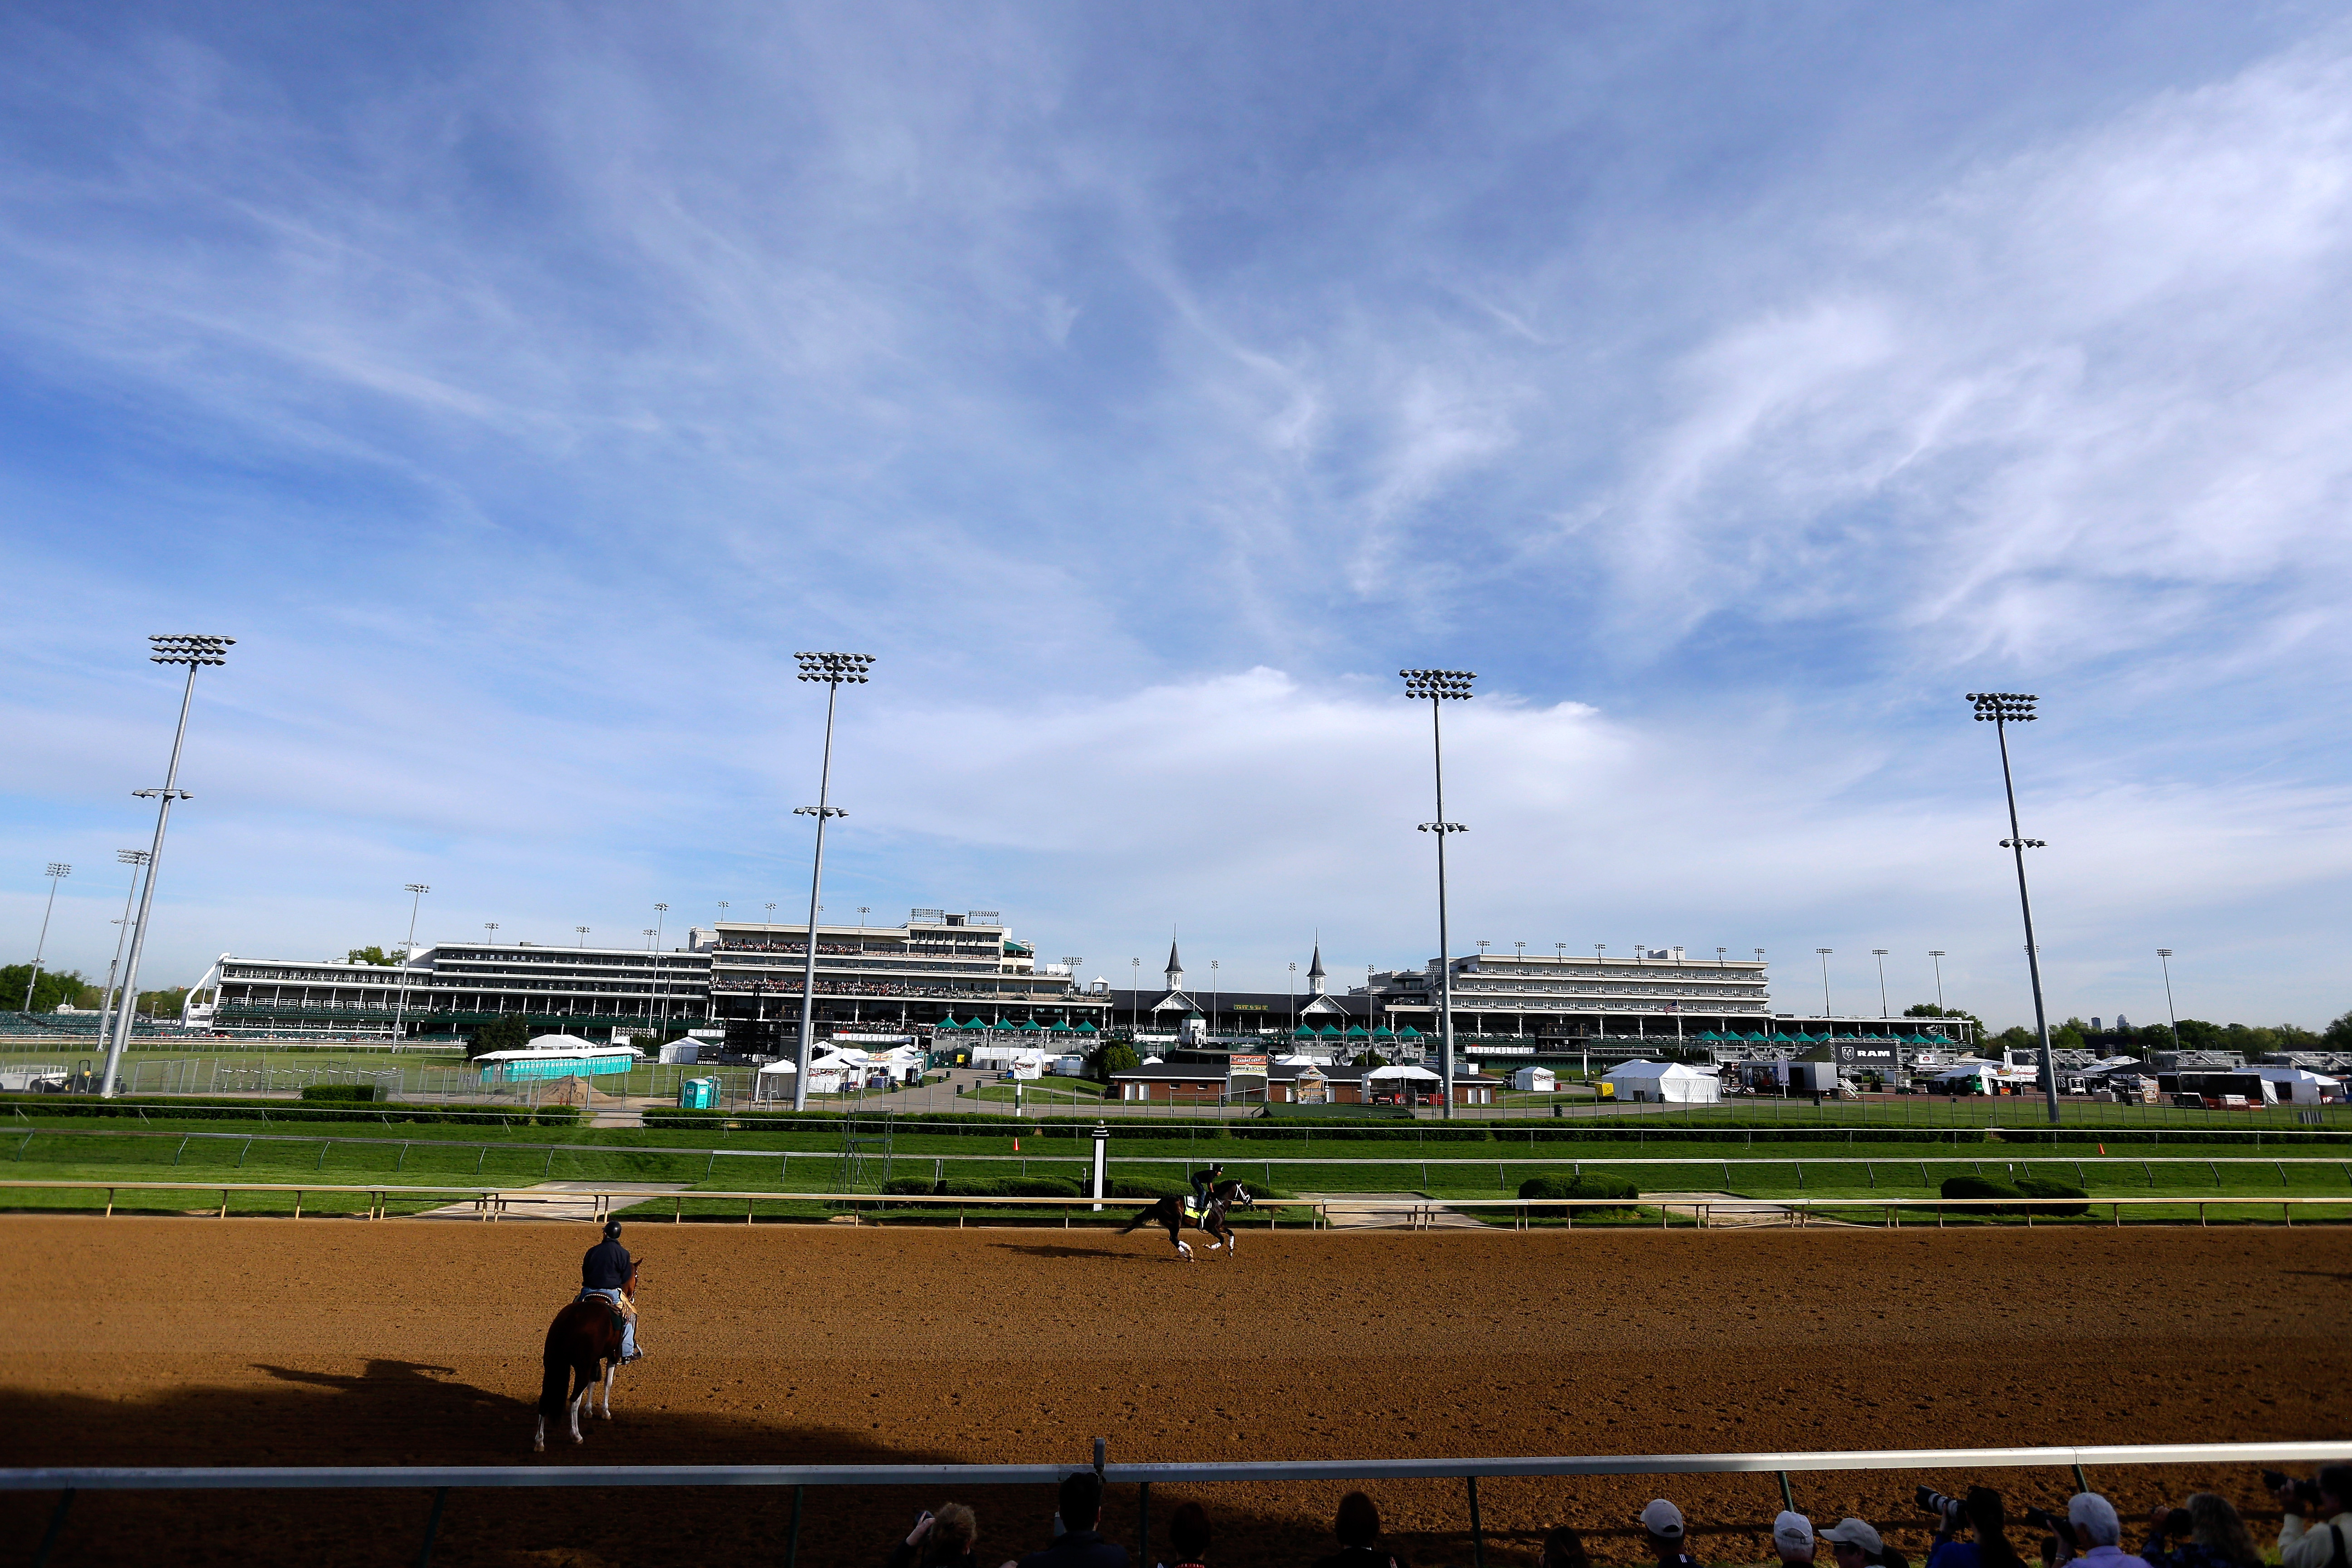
pixel 210 1109
pixel 1615 1192
pixel 2024 1188
pixel 984 1187
pixel 346 1093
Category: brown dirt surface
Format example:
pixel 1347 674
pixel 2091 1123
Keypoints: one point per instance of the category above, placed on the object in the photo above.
pixel 178 1341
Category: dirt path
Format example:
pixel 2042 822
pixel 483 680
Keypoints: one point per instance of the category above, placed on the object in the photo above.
pixel 319 1342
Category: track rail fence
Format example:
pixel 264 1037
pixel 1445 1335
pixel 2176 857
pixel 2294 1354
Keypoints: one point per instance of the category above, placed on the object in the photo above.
pixel 442 1479
pixel 1523 1214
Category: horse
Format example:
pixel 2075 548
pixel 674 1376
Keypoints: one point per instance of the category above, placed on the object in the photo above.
pixel 582 1343
pixel 1169 1211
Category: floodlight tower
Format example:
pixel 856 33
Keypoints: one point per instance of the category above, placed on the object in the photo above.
pixel 134 859
pixel 1437 687
pixel 1939 955
pixel 1880 954
pixel 58 870
pixel 2000 709
pixel 415 891
pixel 835 671
pixel 2163 955
pixel 196 652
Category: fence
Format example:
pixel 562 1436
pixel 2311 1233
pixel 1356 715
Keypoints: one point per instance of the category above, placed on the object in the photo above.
pixel 1521 1214
pixel 442 1479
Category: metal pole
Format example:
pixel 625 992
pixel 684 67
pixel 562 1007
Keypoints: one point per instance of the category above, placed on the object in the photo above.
pixel 2163 955
pixel 1880 953
pixel 1825 952
pixel 1445 947
pixel 400 1009
pixel 2025 903
pixel 816 880
pixel 164 796
pixel 1936 954
pixel 134 859
pixel 57 869
pixel 661 991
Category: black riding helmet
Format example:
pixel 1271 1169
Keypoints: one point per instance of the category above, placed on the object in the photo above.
pixel 611 1230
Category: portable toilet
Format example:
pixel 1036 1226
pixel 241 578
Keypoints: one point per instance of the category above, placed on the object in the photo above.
pixel 699 1094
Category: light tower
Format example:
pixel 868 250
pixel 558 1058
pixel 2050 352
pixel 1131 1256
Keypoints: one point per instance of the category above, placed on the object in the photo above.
pixel 834 671
pixel 415 891
pixel 59 871
pixel 1437 687
pixel 196 652
pixel 2000 709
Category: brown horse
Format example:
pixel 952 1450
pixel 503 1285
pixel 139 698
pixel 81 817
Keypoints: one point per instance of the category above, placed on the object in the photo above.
pixel 1169 1211
pixel 582 1344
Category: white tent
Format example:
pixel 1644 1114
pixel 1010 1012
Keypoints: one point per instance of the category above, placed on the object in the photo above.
pixel 1672 1082
pixel 2298 1086
pixel 1539 1079
pixel 1403 1072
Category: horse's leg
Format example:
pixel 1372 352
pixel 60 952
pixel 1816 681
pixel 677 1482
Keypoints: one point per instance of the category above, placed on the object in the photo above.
pixel 612 1370
pixel 538 1437
pixel 584 1378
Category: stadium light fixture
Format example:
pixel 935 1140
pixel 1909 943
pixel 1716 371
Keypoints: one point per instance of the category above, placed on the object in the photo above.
pixel 58 872
pixel 1825 952
pixel 134 859
pixel 1939 955
pixel 1437 687
pixel 491 927
pixel 415 891
pixel 834 671
pixel 2164 956
pixel 1880 954
pixel 196 653
pixel 2000 709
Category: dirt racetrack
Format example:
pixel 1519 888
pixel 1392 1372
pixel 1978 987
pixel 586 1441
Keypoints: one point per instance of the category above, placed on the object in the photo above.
pixel 173 1342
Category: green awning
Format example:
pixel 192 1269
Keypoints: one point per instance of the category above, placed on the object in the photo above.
pixel 1356 1032
pixel 1304 1032
pixel 1086 1027
pixel 1408 1033
pixel 1384 1032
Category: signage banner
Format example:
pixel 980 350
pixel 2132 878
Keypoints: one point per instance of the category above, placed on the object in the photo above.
pixel 1240 1063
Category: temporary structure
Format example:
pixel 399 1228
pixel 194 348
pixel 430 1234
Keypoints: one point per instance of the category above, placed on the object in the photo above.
pixel 1671 1082
pixel 1537 1079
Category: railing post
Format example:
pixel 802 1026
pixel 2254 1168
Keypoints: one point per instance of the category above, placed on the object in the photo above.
pixel 1477 1535
pixel 792 1539
pixel 57 1527
pixel 432 1526
pixel 1788 1500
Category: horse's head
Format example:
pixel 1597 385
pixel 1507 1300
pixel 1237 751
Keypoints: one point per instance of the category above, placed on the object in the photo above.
pixel 1234 1194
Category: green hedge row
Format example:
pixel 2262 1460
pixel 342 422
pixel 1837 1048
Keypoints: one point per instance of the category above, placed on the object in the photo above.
pixel 339 1093
pixel 275 1110
pixel 1601 1191
pixel 2024 1188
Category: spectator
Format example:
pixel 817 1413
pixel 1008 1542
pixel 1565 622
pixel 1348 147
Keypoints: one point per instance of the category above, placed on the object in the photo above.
pixel 1358 1527
pixel 1079 1544
pixel 1661 1521
pixel 1792 1536
pixel 1188 1532
pixel 2212 1535
pixel 2098 1532
pixel 2316 1536
pixel 941 1540
pixel 1563 1548
pixel 1982 1512
pixel 1856 1543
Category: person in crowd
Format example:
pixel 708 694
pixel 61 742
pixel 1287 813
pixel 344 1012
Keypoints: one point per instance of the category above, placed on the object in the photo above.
pixel 941 1540
pixel 1792 1537
pixel 2316 1535
pixel 1661 1522
pixel 1188 1532
pixel 1856 1543
pixel 2098 1534
pixel 1981 1513
pixel 2211 1533
pixel 1563 1548
pixel 1358 1528
pixel 1080 1544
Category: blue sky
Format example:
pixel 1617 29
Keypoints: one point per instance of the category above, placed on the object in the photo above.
pixel 1144 385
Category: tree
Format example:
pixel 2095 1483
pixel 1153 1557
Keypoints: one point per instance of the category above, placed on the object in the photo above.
pixel 371 955
pixel 2016 1038
pixel 55 985
pixel 2071 1035
pixel 506 1032
pixel 162 1004
pixel 1929 1010
pixel 2197 1035
pixel 1111 1056
pixel 2337 1036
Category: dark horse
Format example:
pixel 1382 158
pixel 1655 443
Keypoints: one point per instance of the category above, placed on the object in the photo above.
pixel 584 1345
pixel 1169 1211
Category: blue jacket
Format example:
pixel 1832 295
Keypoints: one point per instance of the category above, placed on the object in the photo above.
pixel 1078 1549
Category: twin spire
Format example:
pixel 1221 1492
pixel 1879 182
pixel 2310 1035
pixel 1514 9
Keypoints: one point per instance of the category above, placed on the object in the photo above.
pixel 1315 982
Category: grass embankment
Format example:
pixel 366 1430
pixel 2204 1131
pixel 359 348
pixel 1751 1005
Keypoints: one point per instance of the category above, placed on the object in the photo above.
pixel 1460 1163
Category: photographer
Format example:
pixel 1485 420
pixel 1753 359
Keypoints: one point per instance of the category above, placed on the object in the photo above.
pixel 1980 1511
pixel 2091 1533
pixel 2211 1533
pixel 2318 1528
pixel 941 1540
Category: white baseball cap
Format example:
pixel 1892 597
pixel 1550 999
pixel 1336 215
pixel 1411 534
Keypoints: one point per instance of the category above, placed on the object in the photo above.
pixel 1855 1533
pixel 2095 1517
pixel 1793 1530
pixel 1664 1520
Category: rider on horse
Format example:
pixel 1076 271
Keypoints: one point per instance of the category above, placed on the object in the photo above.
pixel 604 1273
pixel 1204 1183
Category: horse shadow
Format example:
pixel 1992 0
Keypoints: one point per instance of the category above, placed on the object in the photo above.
pixel 1033 1249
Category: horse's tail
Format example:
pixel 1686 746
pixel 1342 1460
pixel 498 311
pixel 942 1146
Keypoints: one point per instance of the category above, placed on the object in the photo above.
pixel 554 1387
pixel 1145 1215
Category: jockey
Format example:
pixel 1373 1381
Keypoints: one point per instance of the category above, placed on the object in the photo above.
pixel 1205 1182
pixel 604 1273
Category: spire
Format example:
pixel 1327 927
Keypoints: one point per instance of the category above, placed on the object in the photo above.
pixel 1175 966
pixel 1314 986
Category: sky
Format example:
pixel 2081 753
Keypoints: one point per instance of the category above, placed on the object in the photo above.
pixel 1144 386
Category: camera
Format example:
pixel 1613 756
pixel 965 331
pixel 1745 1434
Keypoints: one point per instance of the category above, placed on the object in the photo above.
pixel 2307 1493
pixel 2057 1524
pixel 1927 1499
